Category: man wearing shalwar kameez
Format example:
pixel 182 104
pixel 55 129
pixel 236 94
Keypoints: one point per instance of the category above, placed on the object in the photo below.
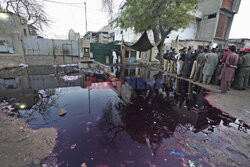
pixel 228 71
pixel 209 68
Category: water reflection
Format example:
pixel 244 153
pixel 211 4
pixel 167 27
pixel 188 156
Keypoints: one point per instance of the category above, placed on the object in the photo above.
pixel 115 127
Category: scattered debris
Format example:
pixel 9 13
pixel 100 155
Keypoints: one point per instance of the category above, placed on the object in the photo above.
pixel 83 165
pixel 180 154
pixel 8 108
pixel 62 112
pixel 72 147
pixel 65 65
pixel 70 78
pixel 191 163
pixel 23 65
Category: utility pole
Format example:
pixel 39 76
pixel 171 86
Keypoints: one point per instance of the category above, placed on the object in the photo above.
pixel 86 23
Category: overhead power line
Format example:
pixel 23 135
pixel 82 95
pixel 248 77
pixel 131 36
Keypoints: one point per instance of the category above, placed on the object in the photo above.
pixel 65 3
pixel 74 5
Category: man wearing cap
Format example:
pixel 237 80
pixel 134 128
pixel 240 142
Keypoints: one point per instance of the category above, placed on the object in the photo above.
pixel 166 60
pixel 201 60
pixel 173 61
pixel 244 70
pixel 181 61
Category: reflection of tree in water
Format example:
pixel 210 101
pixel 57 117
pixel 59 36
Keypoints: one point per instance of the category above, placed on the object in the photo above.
pixel 148 118
pixel 108 124
pixel 153 115
pixel 44 101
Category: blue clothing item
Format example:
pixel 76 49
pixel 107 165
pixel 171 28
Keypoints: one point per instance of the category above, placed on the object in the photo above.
pixel 180 154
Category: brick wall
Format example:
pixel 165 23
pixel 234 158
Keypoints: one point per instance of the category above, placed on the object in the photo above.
pixel 222 26
pixel 227 4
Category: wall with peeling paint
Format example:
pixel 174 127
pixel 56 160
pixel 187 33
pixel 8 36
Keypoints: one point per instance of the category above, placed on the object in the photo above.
pixel 49 47
pixel 39 51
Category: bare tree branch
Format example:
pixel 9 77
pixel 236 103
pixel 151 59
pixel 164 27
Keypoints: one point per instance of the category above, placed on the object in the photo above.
pixel 109 5
pixel 31 10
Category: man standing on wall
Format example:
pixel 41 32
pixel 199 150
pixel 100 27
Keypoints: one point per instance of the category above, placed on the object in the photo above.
pixel 194 59
pixel 173 61
pixel 114 57
pixel 244 71
pixel 227 74
pixel 201 60
pixel 181 61
pixel 166 60
pixel 209 68
pixel 188 63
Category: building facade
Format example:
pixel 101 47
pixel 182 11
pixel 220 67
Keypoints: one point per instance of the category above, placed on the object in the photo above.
pixel 212 24
pixel 72 35
pixel 240 43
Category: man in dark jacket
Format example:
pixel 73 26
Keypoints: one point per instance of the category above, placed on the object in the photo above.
pixel 188 63
pixel 194 60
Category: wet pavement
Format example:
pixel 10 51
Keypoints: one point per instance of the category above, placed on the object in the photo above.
pixel 153 120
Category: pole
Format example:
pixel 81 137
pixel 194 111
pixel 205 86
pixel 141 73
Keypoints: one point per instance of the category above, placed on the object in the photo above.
pixel 86 23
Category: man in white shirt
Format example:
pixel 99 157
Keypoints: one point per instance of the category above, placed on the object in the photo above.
pixel 177 57
pixel 114 57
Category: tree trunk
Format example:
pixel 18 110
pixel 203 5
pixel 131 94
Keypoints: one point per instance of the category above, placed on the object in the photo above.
pixel 160 47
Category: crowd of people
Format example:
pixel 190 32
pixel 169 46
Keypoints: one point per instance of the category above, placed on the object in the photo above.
pixel 227 67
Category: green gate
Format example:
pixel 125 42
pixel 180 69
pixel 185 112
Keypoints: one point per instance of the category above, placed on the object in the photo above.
pixel 100 51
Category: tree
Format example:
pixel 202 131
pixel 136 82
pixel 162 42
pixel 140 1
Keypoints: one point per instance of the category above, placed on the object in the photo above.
pixel 108 4
pixel 31 10
pixel 160 16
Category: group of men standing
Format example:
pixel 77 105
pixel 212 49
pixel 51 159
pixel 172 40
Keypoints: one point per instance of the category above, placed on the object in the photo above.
pixel 211 65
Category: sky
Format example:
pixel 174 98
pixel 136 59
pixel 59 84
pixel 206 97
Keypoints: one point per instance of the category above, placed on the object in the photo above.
pixel 65 17
pixel 241 23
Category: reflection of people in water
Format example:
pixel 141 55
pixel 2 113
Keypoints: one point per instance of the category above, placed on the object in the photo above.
pixel 114 70
pixel 114 55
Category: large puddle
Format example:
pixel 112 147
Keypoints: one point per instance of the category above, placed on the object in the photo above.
pixel 149 120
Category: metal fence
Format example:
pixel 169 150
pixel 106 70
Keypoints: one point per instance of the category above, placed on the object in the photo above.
pixel 49 47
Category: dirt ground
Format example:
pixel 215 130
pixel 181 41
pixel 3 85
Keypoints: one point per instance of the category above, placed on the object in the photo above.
pixel 22 146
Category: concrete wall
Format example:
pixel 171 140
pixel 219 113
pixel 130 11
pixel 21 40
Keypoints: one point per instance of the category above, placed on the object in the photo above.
pixel 40 51
pixel 207 29
pixel 12 29
pixel 187 43
pixel 49 47
pixel 209 6
pixel 240 43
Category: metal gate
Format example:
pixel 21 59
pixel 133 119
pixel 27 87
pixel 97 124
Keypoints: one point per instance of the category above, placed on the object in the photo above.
pixel 100 51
